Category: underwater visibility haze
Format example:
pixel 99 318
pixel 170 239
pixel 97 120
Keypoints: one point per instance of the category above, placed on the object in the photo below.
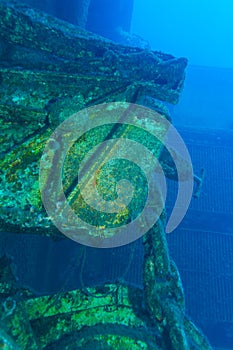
pixel 116 169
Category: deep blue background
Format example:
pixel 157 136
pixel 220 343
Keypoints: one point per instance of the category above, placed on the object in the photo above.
pixel 200 30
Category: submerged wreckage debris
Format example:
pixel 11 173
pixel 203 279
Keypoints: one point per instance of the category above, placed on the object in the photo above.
pixel 111 316
pixel 50 70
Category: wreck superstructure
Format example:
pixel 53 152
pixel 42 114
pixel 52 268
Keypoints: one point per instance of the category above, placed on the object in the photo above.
pixel 50 70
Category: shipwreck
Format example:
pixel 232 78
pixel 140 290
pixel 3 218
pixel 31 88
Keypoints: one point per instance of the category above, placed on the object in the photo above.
pixel 49 70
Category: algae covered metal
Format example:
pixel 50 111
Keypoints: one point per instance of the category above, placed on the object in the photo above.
pixel 45 81
pixel 108 316
pixel 49 71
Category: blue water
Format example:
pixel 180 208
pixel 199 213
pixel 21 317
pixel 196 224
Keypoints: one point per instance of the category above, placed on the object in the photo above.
pixel 202 31
pixel 202 246
pixel 199 30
